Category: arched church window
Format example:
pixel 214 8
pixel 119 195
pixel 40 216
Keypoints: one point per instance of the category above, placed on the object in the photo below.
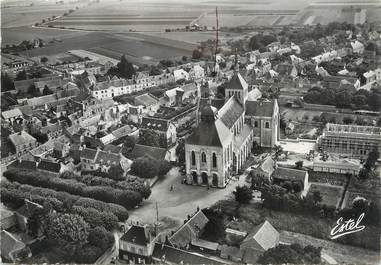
pixel 193 158
pixel 203 157
pixel 214 158
pixel 267 125
pixel 256 124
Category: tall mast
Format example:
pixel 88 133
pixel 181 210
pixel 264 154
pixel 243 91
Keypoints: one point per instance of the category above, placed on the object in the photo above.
pixel 216 50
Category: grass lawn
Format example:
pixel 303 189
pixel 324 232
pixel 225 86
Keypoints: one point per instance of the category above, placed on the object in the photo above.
pixel 331 194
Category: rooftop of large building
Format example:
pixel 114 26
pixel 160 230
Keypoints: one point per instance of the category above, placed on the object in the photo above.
pixel 344 130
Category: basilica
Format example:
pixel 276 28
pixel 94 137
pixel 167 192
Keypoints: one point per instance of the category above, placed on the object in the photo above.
pixel 226 132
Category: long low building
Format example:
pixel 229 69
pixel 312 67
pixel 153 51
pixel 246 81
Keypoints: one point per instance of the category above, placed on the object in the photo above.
pixel 353 140
pixel 335 164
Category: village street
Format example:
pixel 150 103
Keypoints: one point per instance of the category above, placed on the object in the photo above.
pixel 183 200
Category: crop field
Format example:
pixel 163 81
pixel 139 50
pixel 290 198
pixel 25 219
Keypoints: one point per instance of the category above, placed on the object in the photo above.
pixel 139 49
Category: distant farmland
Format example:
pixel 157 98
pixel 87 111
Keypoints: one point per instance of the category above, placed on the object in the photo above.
pixel 138 48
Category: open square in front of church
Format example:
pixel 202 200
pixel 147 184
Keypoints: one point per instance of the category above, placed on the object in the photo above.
pixel 181 201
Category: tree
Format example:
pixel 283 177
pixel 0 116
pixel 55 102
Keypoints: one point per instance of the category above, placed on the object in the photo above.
pixel 243 194
pixel 6 82
pixel 116 173
pixel 371 160
pixel 144 167
pixel 163 167
pixel 123 69
pixel 294 254
pixel 44 59
pixel 47 91
pixel 221 91
pixel 129 142
pixel 67 229
pixel 196 54
pixel 152 138
pixel 21 75
pixel 347 120
pixel 180 152
pixel 33 91
pixel 154 71
pixel 278 150
pixel 299 164
pixel 316 197
pixel 214 229
pixel 101 238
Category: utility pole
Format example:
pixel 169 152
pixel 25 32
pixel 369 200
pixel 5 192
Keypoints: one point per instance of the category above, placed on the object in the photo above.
pixel 157 219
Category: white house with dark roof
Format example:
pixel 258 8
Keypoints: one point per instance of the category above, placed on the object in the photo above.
pixel 22 141
pixel 137 244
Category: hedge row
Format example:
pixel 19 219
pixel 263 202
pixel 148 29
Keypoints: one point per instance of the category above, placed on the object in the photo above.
pixel 91 180
pixel 126 198
pixel 15 193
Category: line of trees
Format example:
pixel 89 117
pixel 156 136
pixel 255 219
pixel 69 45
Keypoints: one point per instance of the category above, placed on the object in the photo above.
pixel 94 217
pixel 90 180
pixel 126 198
pixel 343 98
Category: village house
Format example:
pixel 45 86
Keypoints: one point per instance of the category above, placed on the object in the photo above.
pixel 137 245
pixel 22 141
pixel 180 74
pixel 333 82
pixel 149 102
pixel 283 174
pixel 334 164
pixel 98 160
pixel 13 115
pixel 264 169
pixel 262 238
pixel 165 129
pixel 190 230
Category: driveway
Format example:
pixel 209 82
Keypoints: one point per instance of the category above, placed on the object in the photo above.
pixel 174 206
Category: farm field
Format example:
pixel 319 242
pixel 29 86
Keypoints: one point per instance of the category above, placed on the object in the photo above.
pixel 21 13
pixel 18 34
pixel 138 48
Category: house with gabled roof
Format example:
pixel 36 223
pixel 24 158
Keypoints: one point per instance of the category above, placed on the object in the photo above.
pixel 262 238
pixel 98 160
pixel 190 230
